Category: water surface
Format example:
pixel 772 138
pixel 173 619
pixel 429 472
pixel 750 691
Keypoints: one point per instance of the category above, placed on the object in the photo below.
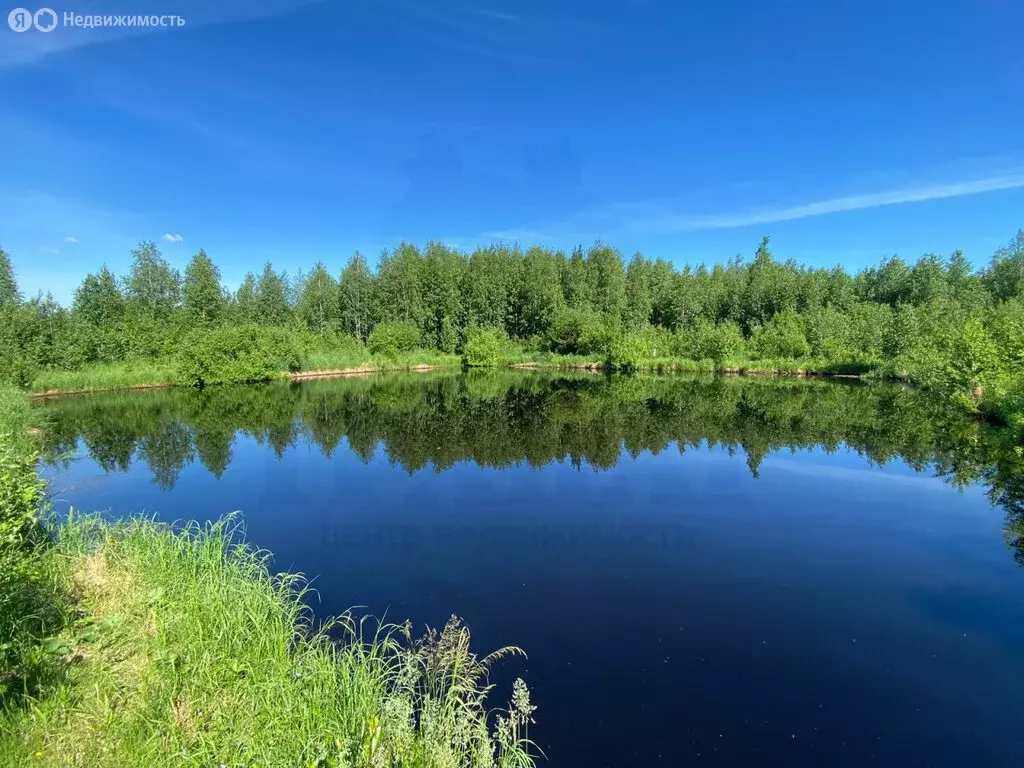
pixel 703 571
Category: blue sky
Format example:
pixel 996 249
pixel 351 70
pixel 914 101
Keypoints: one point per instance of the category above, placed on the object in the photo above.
pixel 301 131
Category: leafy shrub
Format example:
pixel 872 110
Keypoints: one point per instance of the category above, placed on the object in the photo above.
pixel 868 324
pixel 902 332
pixel 960 361
pixel 630 351
pixel 710 341
pixel 390 339
pixel 578 331
pixel 483 347
pixel 242 353
pixel 644 347
pixel 828 334
pixel 781 337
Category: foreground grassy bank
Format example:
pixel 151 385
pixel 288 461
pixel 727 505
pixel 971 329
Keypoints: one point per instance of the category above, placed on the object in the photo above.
pixel 136 644
pixel 185 651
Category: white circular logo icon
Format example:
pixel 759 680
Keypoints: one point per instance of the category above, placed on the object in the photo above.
pixel 20 20
pixel 45 19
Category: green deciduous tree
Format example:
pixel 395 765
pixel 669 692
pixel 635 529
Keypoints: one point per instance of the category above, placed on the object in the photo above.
pixel 151 284
pixel 245 304
pixel 201 291
pixel 1005 276
pixel 272 306
pixel 9 293
pixel 356 297
pixel 538 294
pixel 639 296
pixel 441 273
pixel 319 303
pixel 400 285
pixel 99 300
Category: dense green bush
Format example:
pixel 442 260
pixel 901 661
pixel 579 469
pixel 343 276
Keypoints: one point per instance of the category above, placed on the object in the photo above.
pixel 242 353
pixel 391 339
pixel 483 347
pixel 631 351
pixel 581 331
pixel 717 342
pixel 781 337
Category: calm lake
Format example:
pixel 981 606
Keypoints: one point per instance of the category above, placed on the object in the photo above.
pixel 714 571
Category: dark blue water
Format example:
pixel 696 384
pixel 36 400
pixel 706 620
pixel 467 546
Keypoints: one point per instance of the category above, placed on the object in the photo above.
pixel 795 586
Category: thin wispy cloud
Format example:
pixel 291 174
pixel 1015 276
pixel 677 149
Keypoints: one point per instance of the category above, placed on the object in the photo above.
pixel 71 240
pixel 498 15
pixel 651 218
pixel 172 237
pixel 686 223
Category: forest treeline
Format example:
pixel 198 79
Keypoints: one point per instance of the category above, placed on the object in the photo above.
pixel 500 420
pixel 935 321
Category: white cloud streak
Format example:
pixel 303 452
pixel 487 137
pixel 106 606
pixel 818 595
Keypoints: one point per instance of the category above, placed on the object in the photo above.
pixel 652 218
pixel 683 223
pixel 71 240
pixel 172 237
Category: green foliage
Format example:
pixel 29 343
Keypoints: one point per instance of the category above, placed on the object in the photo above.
pixel 270 302
pixel 245 307
pixel 580 331
pixel 895 319
pixel 243 353
pixel 782 337
pixel 630 351
pixel 489 287
pixel 9 293
pixel 319 305
pixel 717 342
pixel 21 491
pixel 483 347
pixel 1005 276
pixel 356 298
pixel 959 360
pixel 389 339
pixel 201 292
pixel 538 295
pixel 28 610
pixel 442 298
pixel 400 286
pixel 98 300
pixel 151 283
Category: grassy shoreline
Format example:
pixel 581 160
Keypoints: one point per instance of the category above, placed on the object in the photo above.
pixel 120 376
pixel 140 643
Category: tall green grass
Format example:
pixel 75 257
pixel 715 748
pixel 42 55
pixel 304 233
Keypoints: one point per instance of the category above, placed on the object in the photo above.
pixel 165 372
pixel 102 376
pixel 190 653
pixel 30 606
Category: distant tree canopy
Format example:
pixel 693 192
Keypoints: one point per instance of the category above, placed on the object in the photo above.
pixel 935 320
